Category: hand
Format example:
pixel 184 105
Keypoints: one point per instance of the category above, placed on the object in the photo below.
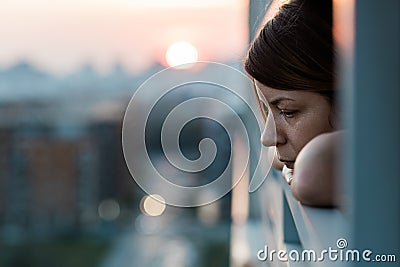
pixel 288 174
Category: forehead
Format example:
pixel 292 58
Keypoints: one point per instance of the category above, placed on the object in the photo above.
pixel 270 95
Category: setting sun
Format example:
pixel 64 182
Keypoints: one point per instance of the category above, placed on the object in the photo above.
pixel 181 53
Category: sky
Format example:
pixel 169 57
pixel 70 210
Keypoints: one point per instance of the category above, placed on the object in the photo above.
pixel 60 36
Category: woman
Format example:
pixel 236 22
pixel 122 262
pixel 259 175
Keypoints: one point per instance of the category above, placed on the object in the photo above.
pixel 292 64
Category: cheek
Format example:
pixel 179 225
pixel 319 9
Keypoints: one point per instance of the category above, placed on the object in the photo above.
pixel 309 126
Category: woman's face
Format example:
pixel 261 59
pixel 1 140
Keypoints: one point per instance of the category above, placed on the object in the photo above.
pixel 299 116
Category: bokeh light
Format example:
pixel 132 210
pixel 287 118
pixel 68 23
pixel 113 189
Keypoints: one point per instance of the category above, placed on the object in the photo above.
pixel 109 209
pixel 153 205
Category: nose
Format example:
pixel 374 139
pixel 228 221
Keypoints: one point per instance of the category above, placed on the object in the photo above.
pixel 271 135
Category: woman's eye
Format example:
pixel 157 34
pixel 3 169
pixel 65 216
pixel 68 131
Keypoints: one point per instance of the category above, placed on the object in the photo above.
pixel 288 113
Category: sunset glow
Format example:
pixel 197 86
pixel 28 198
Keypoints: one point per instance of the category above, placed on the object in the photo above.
pixel 181 53
pixel 65 35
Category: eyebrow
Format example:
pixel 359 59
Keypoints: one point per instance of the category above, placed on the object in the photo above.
pixel 280 99
pixel 274 102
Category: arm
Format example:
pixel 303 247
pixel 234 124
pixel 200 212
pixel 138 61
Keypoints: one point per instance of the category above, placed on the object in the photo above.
pixel 316 171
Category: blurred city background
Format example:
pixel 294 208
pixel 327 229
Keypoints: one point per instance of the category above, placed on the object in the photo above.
pixel 67 72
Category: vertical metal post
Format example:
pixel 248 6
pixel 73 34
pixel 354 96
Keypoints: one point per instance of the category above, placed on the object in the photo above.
pixel 373 153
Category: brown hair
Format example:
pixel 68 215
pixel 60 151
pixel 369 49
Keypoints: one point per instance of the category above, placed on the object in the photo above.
pixel 295 50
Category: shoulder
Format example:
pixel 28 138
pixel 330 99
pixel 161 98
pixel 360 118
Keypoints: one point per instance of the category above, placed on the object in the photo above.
pixel 321 148
pixel 316 169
